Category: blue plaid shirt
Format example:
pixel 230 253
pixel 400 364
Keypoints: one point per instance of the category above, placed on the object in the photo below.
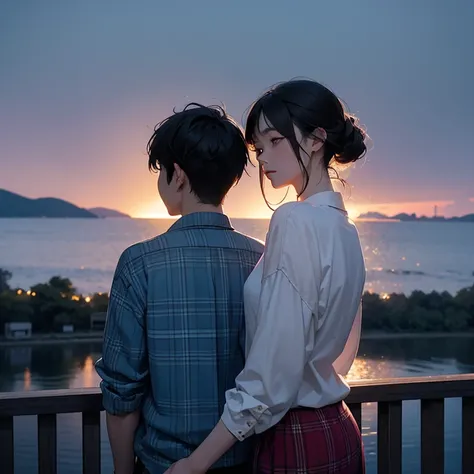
pixel 174 336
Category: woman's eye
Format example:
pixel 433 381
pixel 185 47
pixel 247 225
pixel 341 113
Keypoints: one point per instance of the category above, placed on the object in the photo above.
pixel 276 140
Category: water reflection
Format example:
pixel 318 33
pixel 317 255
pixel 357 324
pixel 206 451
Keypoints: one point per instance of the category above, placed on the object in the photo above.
pixel 86 375
pixel 45 367
pixel 457 352
pixel 27 379
pixel 369 368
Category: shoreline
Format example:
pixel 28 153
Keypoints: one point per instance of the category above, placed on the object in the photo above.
pixel 95 337
pixel 59 338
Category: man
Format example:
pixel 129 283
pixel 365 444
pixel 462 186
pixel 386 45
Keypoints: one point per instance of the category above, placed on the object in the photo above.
pixel 174 337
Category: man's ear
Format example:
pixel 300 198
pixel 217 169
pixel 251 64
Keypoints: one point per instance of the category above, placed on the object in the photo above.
pixel 179 176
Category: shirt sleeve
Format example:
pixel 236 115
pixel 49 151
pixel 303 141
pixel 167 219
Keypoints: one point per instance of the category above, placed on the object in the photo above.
pixel 123 367
pixel 269 383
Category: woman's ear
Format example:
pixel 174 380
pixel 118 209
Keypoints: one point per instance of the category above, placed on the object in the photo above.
pixel 319 137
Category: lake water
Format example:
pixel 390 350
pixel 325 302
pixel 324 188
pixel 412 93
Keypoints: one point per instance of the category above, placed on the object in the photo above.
pixel 400 256
pixel 42 367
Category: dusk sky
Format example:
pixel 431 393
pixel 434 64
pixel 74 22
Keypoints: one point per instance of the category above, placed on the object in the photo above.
pixel 82 85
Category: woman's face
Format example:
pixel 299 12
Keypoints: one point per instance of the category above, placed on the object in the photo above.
pixel 277 158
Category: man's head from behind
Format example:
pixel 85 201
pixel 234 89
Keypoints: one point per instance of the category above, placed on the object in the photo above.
pixel 200 154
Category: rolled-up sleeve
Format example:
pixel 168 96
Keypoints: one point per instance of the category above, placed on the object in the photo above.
pixel 123 367
pixel 268 385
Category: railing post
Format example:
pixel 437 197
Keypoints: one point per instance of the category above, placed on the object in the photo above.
pixel 356 410
pixel 467 435
pixel 6 444
pixel 91 442
pixel 389 437
pixel 432 436
pixel 47 454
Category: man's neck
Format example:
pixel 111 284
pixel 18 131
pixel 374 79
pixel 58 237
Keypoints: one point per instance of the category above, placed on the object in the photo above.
pixel 191 208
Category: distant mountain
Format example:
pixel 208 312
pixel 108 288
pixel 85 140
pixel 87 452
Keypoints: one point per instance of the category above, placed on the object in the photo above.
pixel 404 217
pixel 14 205
pixel 104 212
pixel 373 215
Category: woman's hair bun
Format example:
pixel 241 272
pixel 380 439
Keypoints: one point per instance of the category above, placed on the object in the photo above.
pixel 352 142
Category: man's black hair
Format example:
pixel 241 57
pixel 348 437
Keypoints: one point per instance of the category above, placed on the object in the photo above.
pixel 207 144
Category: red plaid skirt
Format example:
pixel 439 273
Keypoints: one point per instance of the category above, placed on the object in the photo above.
pixel 312 441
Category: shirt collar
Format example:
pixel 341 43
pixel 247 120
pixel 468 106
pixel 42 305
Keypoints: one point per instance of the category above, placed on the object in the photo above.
pixel 327 198
pixel 202 219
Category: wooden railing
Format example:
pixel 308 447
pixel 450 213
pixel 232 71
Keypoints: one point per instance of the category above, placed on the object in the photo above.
pixel 389 394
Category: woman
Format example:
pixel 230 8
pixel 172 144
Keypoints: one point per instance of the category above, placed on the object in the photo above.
pixel 302 300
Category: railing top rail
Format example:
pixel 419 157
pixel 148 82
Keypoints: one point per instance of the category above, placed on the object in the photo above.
pixel 412 388
pixel 44 402
pixel 377 390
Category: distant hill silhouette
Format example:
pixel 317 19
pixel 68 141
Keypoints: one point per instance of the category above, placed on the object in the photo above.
pixel 14 205
pixel 413 217
pixel 104 212
pixel 374 215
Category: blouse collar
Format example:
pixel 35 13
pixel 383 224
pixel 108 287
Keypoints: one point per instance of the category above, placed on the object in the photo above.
pixel 327 198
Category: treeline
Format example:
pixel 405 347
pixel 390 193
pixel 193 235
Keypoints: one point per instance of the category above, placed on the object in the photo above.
pixel 419 312
pixel 48 306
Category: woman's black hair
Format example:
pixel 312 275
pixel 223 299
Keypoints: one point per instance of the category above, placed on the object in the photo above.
pixel 308 105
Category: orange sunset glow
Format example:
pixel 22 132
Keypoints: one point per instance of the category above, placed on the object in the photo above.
pixel 245 201
pixel 258 210
pixel 139 197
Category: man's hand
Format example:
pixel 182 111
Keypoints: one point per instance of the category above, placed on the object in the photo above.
pixel 184 466
pixel 121 431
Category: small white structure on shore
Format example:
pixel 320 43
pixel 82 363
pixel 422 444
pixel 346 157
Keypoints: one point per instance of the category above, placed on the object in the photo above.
pixel 67 328
pixel 18 330
pixel 97 321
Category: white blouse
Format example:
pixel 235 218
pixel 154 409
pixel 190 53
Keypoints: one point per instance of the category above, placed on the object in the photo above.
pixel 303 316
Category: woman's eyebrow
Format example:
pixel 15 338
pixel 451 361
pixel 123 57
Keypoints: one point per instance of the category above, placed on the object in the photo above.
pixel 268 130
